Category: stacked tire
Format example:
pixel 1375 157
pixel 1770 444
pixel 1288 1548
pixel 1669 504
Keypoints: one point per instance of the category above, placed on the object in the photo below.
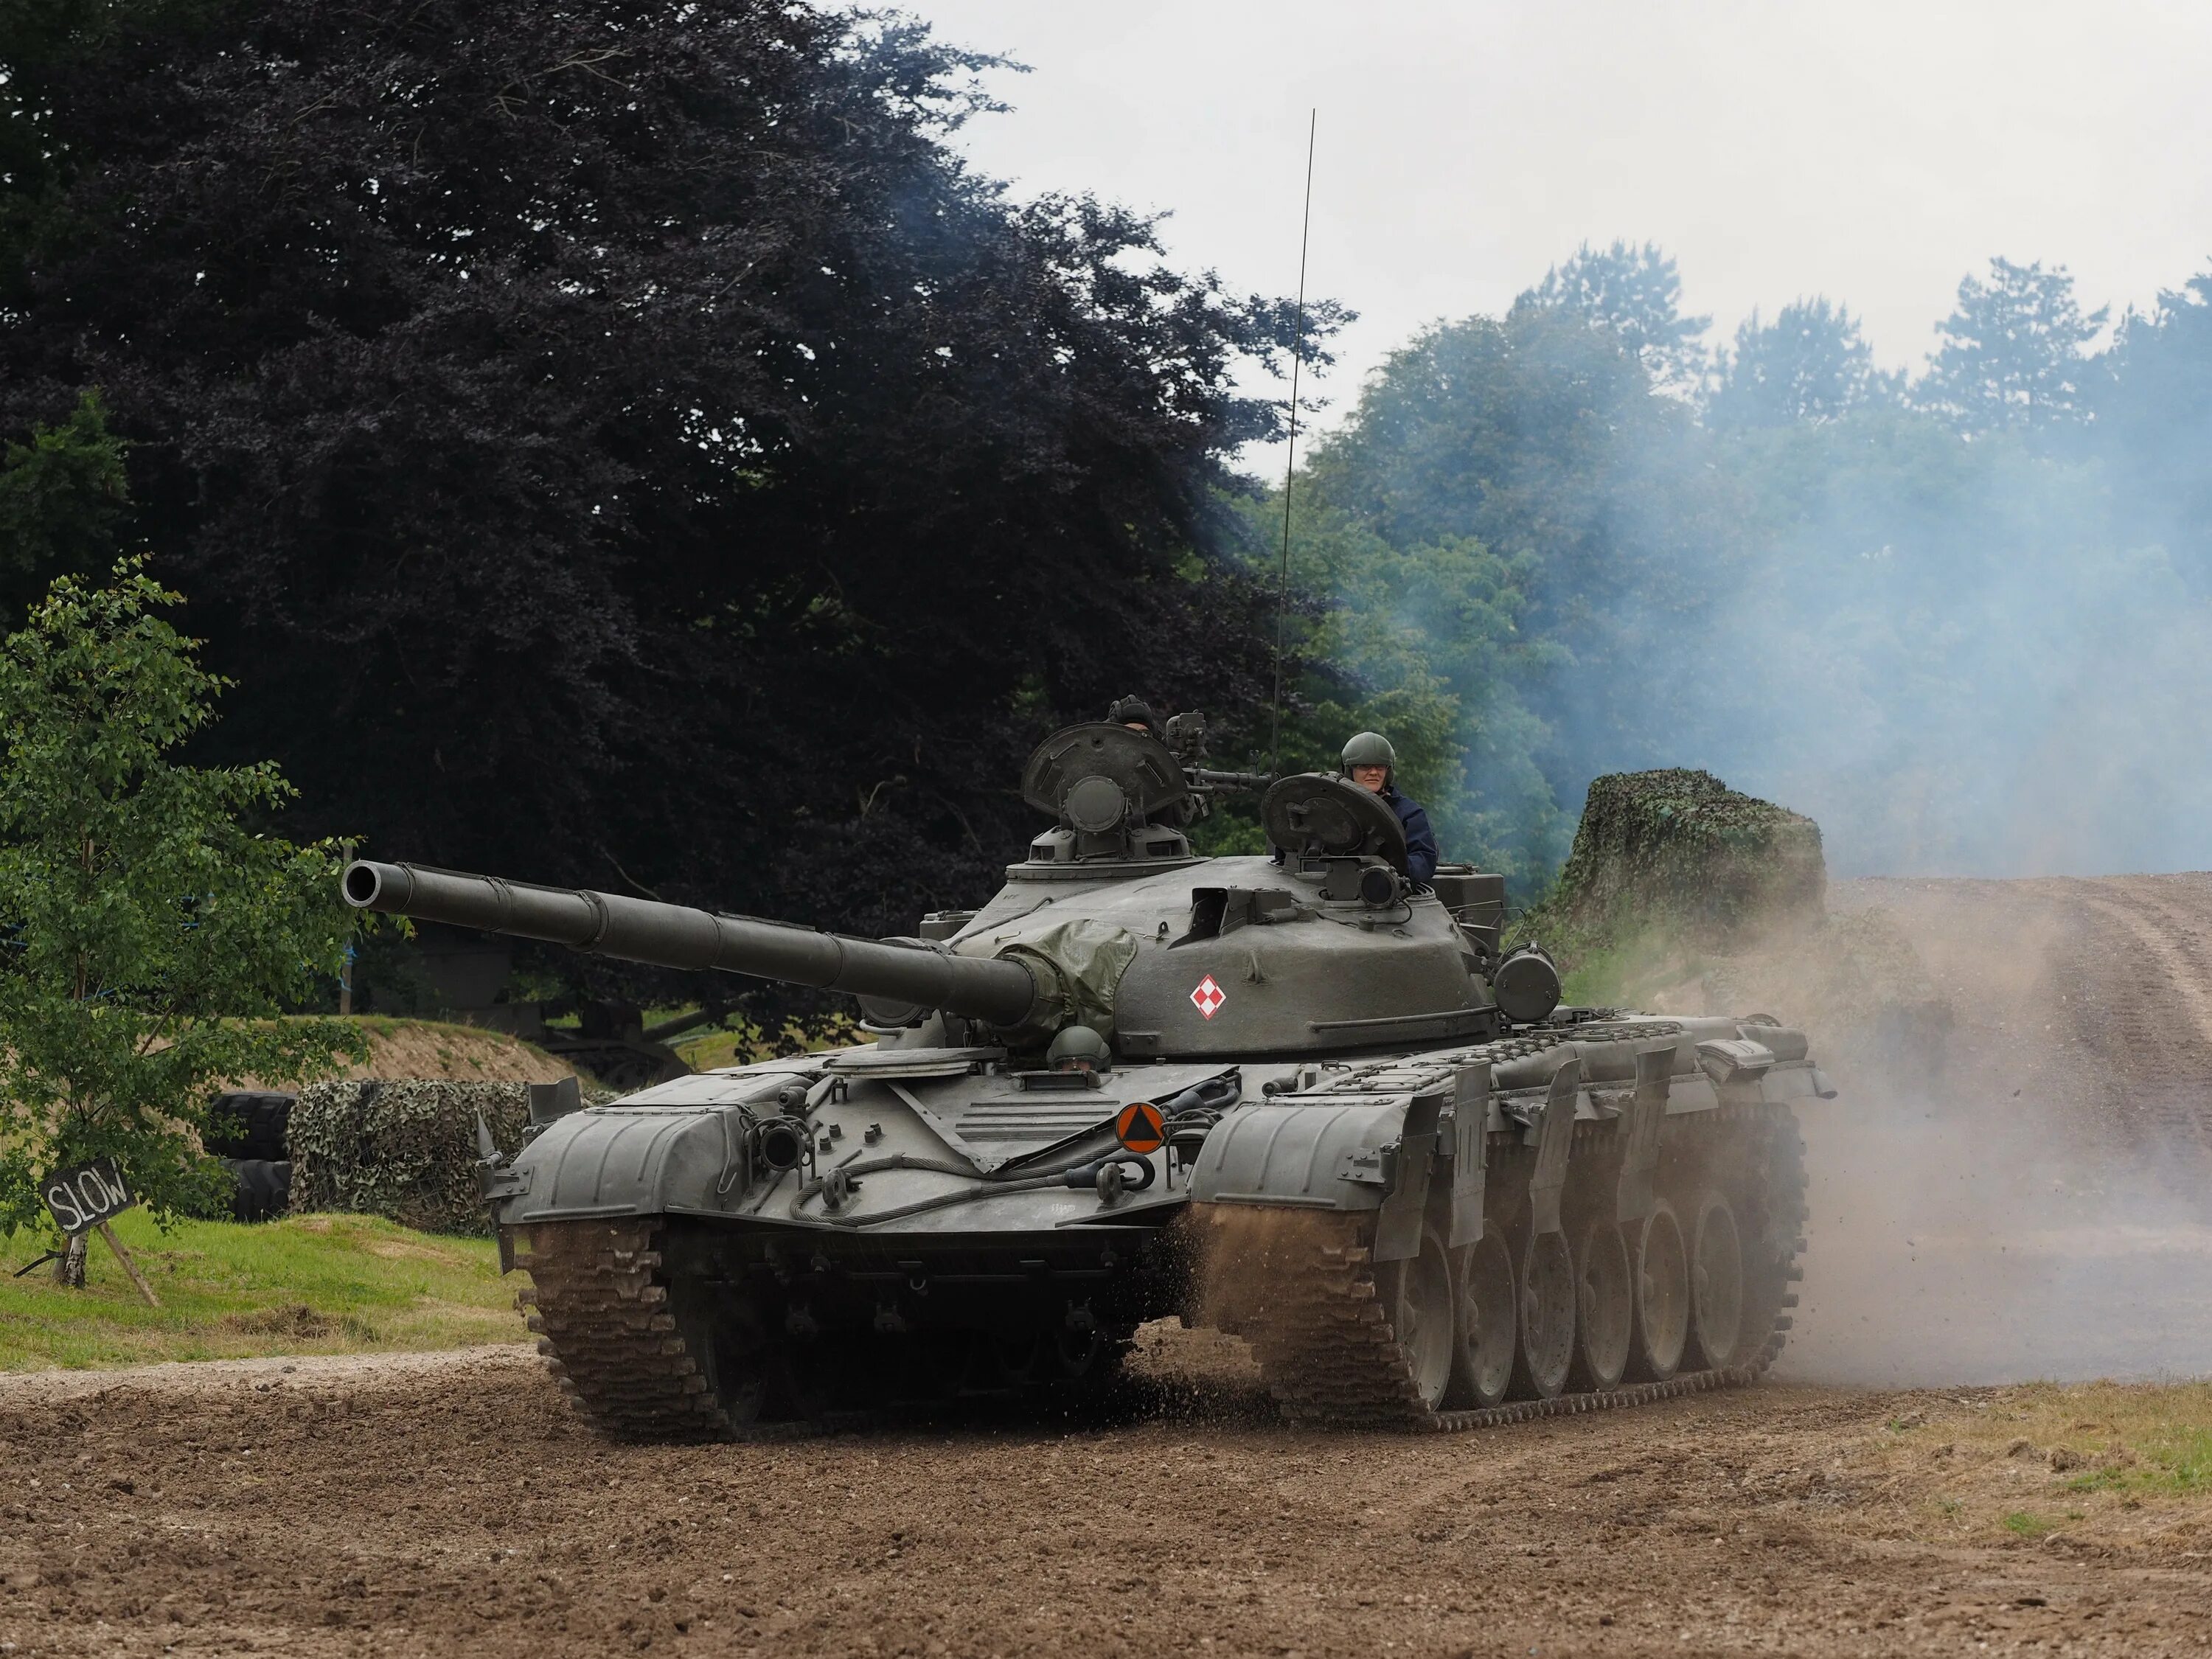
pixel 248 1130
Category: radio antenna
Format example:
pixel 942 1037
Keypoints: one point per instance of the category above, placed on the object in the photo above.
pixel 1290 457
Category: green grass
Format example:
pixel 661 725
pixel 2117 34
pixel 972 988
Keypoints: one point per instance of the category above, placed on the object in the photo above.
pixel 2169 1458
pixel 334 1283
pixel 2129 1463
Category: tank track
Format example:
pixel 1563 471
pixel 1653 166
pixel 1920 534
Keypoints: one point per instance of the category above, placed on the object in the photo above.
pixel 1332 1359
pixel 1322 1337
pixel 600 1305
pixel 608 1339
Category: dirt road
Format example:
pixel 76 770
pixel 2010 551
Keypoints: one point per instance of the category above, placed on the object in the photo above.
pixel 358 1507
pixel 2023 1189
pixel 2093 999
pixel 450 1504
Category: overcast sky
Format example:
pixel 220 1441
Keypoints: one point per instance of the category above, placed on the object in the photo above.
pixel 1872 150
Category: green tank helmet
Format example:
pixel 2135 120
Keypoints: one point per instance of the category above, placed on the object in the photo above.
pixel 1368 749
pixel 1078 1049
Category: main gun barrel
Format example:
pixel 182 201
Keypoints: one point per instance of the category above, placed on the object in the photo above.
pixel 675 936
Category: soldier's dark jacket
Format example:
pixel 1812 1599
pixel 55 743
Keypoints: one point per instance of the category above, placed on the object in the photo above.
pixel 1421 852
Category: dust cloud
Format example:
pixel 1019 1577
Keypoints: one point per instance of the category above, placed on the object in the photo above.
pixel 2015 1181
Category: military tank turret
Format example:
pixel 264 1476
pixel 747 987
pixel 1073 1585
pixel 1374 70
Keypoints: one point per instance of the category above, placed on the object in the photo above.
pixel 1299 1095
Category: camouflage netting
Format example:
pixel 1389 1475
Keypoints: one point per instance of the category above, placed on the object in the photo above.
pixel 1681 847
pixel 406 1150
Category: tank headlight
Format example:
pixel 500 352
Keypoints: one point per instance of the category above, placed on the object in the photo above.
pixel 783 1144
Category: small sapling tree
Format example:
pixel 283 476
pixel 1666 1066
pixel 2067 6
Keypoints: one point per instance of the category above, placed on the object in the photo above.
pixel 151 935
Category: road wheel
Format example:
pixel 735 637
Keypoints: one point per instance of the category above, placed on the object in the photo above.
pixel 1547 1317
pixel 1605 1307
pixel 1417 1296
pixel 1662 1297
pixel 737 1376
pixel 1486 1329
pixel 1716 1283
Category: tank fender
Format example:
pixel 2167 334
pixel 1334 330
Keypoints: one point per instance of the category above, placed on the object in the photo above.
pixel 1405 1207
pixel 640 1159
pixel 1470 1122
pixel 1351 1152
pixel 1639 1129
pixel 1555 1134
pixel 1596 1062
pixel 1317 1153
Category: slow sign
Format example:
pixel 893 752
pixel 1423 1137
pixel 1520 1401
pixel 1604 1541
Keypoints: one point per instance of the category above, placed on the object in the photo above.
pixel 80 1199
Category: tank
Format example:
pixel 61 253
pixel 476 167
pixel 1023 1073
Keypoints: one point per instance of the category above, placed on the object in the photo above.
pixel 1300 1096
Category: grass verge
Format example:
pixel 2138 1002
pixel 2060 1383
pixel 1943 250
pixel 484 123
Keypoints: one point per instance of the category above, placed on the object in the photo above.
pixel 317 1284
pixel 2119 1465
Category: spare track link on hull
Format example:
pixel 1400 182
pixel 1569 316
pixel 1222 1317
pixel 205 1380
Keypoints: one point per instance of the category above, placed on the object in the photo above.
pixel 1324 1343
pixel 605 1327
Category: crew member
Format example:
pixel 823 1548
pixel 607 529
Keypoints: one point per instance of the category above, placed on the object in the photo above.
pixel 1369 761
pixel 1078 1049
pixel 1137 714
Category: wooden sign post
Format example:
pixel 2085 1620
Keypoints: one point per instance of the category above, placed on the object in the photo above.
pixel 81 1199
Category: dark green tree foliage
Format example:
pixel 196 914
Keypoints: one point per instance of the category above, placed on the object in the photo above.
pixel 1810 363
pixel 149 935
pixel 620 442
pixel 1635 292
pixel 2013 351
pixel 1909 624
pixel 64 498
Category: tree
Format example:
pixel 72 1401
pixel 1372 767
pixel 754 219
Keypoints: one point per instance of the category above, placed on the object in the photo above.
pixel 1422 644
pixel 63 500
pixel 1602 531
pixel 2012 354
pixel 2154 423
pixel 1636 294
pixel 586 432
pixel 1809 364
pixel 150 938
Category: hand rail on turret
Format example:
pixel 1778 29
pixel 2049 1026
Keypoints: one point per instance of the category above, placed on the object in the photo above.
pixel 1002 992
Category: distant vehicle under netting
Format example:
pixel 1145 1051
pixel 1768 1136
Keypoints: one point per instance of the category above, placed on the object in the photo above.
pixel 1301 1096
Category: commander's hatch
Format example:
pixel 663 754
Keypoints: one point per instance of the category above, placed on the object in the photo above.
pixel 1315 818
pixel 1108 787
